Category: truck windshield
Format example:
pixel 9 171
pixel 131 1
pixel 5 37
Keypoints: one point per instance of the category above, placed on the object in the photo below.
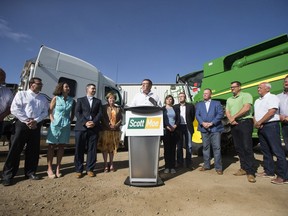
pixel 192 81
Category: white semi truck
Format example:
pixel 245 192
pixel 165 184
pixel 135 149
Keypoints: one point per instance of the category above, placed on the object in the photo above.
pixel 53 67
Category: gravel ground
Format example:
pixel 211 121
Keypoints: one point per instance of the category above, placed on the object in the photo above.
pixel 184 193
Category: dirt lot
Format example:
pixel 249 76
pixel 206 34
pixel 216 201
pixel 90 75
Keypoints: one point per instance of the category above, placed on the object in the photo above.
pixel 184 193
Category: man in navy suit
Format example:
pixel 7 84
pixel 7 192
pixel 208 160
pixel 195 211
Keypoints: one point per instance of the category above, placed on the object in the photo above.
pixel 186 130
pixel 209 114
pixel 88 111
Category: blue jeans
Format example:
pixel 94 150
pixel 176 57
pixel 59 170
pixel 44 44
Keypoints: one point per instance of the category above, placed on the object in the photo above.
pixel 212 140
pixel 184 141
pixel 285 135
pixel 242 139
pixel 270 143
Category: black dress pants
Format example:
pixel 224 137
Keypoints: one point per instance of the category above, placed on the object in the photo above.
pixel 20 136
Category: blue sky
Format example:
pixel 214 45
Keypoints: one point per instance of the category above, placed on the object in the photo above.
pixel 129 40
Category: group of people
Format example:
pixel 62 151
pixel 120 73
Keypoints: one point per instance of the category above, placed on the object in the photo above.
pixel 178 125
pixel 30 108
pixel 269 110
pixel 98 126
pixel 178 130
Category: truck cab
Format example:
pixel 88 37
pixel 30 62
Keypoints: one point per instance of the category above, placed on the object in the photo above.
pixel 54 67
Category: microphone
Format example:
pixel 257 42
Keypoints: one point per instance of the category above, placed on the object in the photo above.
pixel 153 101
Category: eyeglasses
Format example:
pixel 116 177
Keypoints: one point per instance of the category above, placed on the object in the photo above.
pixel 232 87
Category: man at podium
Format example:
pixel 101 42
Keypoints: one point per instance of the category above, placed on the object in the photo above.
pixel 144 127
pixel 146 97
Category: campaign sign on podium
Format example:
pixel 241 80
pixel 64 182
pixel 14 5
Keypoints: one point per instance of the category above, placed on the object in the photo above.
pixel 144 128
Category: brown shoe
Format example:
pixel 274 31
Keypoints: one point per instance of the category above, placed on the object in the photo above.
pixel 219 172
pixel 203 169
pixel 78 175
pixel 91 174
pixel 251 178
pixel 278 181
pixel 240 172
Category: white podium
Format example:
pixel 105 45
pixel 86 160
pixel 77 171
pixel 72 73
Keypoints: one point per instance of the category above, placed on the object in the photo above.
pixel 144 128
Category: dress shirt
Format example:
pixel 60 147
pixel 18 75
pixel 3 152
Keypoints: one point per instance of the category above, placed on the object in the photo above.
pixel 6 98
pixel 183 114
pixel 283 108
pixel 207 105
pixel 90 99
pixel 142 99
pixel 263 104
pixel 28 105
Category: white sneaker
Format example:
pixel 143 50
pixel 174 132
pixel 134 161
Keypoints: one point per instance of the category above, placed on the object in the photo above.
pixel 173 171
pixel 166 171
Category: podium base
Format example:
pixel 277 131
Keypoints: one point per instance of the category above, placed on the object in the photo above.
pixel 144 184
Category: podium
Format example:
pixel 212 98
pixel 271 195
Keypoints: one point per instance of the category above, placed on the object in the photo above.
pixel 144 126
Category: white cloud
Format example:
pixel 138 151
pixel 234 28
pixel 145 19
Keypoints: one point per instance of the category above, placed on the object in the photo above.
pixel 7 32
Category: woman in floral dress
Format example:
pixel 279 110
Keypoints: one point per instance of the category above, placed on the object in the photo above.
pixel 110 135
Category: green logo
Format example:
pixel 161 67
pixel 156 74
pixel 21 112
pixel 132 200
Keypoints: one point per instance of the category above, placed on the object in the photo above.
pixel 136 123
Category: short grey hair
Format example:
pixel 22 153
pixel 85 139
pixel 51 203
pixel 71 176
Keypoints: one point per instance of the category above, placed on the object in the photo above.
pixel 268 85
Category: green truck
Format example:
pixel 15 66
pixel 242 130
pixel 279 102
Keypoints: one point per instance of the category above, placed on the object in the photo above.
pixel 263 62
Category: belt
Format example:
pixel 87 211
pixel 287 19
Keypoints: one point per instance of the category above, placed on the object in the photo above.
pixel 243 120
pixel 266 123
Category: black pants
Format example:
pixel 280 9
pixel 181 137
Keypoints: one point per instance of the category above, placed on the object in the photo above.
pixel 170 140
pixel 1 128
pixel 242 138
pixel 21 136
pixel 85 140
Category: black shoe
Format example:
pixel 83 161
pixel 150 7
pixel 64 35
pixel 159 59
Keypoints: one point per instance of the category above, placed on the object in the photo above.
pixel 190 167
pixel 32 177
pixel 6 182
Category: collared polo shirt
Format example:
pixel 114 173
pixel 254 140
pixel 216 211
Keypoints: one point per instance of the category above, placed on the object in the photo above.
pixel 235 103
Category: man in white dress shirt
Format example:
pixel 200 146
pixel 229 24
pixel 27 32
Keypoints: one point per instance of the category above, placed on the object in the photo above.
pixel 266 120
pixel 30 108
pixel 146 97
